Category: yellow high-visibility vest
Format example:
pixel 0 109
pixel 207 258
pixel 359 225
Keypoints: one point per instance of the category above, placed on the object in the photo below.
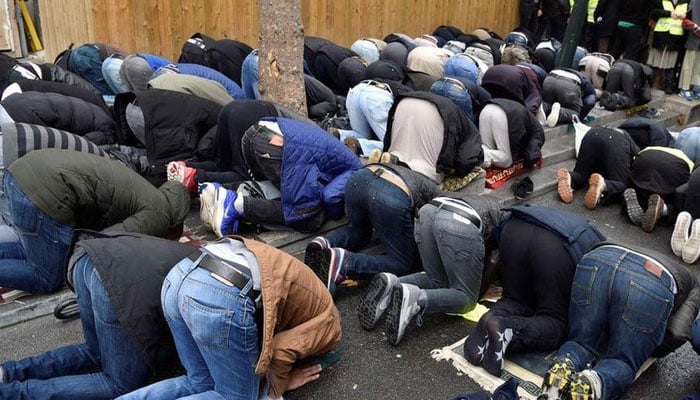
pixel 592 5
pixel 673 26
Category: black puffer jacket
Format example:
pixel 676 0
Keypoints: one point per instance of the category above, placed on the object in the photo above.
pixel 511 82
pixel 90 96
pixel 62 112
pixel 461 148
pixel 524 131
pixel 54 73
pixel 647 132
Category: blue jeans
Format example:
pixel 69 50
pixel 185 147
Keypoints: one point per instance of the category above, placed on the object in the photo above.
pixel 35 263
pixel 463 67
pixel 250 76
pixel 456 92
pixel 366 49
pixel 368 108
pixel 215 334
pixel 373 202
pixel 105 366
pixel 613 292
pixel 452 252
pixel 110 70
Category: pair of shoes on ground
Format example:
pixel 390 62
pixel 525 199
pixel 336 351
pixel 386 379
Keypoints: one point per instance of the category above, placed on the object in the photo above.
pixel 562 381
pixel 690 95
pixel 384 157
pixel 8 295
pixel 486 345
pixel 595 192
pixel 216 208
pixel 685 240
pixel 522 188
pixel 646 219
pixel 385 294
pixel 179 171
pixel 328 263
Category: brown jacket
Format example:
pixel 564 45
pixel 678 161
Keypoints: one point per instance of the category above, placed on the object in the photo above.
pixel 300 319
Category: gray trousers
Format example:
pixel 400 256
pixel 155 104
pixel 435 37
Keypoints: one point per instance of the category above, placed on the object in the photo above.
pixel 452 251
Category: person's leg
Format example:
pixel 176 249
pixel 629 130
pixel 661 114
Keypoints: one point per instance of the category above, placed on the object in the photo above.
pixel 588 159
pixel 376 105
pixel 45 243
pixel 493 128
pixel 640 304
pixel 249 76
pixel 358 231
pixel 356 113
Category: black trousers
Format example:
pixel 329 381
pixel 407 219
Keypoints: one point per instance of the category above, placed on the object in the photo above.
pixel 619 87
pixel 687 196
pixel 536 273
pixel 628 41
pixel 606 152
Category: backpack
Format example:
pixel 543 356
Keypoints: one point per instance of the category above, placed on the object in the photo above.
pixel 578 234
pixel 194 49
pixel 595 67
pixel 483 52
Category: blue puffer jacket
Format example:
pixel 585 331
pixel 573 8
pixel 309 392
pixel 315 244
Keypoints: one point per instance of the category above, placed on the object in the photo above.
pixel 154 61
pixel 209 73
pixel 315 168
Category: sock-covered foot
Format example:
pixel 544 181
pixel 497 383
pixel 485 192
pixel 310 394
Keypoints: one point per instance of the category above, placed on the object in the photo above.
pixel 499 338
pixel 475 345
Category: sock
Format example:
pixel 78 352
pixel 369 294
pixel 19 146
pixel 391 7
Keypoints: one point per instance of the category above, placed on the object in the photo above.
pixel 238 205
pixel 500 337
pixel 475 345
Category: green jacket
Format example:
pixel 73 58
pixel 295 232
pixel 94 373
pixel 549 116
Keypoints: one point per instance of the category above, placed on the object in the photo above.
pixel 88 191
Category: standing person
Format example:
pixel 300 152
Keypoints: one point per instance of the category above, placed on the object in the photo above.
pixel 631 29
pixel 380 197
pixel 530 12
pixel 690 72
pixel 668 38
pixel 51 192
pixel 536 268
pixel 641 302
pixel 122 320
pixel 241 311
pixel 555 14
pixel 601 20
pixel 454 237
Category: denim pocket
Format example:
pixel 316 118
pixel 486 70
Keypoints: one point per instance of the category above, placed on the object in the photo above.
pixel 210 327
pixel 582 288
pixel 642 311
pixel 163 292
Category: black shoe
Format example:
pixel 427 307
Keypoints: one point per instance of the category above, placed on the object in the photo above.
pixel 522 188
pixel 653 214
pixel 634 210
pixel 376 300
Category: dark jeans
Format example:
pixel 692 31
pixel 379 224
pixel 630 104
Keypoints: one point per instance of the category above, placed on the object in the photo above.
pixel 373 202
pixel 528 16
pixel 107 365
pixel 34 260
pixel 615 296
pixel 608 153
pixel 556 89
pixel 265 162
pixel 628 41
pixel 556 26
pixel 536 272
pixel 452 251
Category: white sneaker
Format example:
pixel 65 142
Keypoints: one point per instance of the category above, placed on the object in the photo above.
pixel 207 202
pixel 404 307
pixel 553 117
pixel 376 299
pixel 680 232
pixel 691 250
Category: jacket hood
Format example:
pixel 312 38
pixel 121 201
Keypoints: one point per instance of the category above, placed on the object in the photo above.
pixel 178 201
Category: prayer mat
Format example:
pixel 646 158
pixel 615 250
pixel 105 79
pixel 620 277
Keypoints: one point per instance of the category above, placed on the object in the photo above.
pixel 496 177
pixel 529 368
pixel 453 183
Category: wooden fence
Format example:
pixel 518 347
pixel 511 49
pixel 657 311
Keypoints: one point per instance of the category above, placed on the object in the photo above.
pixel 161 26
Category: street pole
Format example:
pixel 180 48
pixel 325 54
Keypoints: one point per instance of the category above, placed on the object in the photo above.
pixel 573 33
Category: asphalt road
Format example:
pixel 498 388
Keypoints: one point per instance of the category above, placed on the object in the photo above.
pixel 370 368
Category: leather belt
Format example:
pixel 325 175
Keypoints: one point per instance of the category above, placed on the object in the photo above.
pixel 379 85
pixel 228 273
pixel 475 220
pixel 389 176
pixel 566 78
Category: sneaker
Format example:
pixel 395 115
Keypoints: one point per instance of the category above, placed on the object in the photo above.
pixel 225 217
pixel 9 295
pixel 653 214
pixel 596 187
pixel 207 200
pixel 566 193
pixel 388 158
pixel 581 387
pixel 541 116
pixel 313 256
pixel 354 145
pixel 404 307
pixel 334 132
pixel 650 113
pixel 553 117
pixel 374 156
pixel 686 94
pixel 691 250
pixel 680 233
pixel 179 171
pixel 331 269
pixel 557 378
pixel 376 299
pixel 522 188
pixel 634 210
pixel 696 93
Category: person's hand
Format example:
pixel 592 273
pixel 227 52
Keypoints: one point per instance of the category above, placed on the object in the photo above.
pixel 539 12
pixel 303 375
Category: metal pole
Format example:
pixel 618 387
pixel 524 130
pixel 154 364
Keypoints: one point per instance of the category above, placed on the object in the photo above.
pixel 573 33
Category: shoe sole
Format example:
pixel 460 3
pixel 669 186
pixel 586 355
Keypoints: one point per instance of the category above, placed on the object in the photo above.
pixel 680 233
pixel 653 213
pixel 691 250
pixel 566 193
pixel 374 156
pixel 370 309
pixel 393 318
pixel 206 205
pixel 595 189
pixel 218 219
pixel 552 122
pixel 336 258
pixel 313 255
pixel 634 210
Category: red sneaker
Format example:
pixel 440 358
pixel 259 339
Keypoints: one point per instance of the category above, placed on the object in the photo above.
pixel 179 171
